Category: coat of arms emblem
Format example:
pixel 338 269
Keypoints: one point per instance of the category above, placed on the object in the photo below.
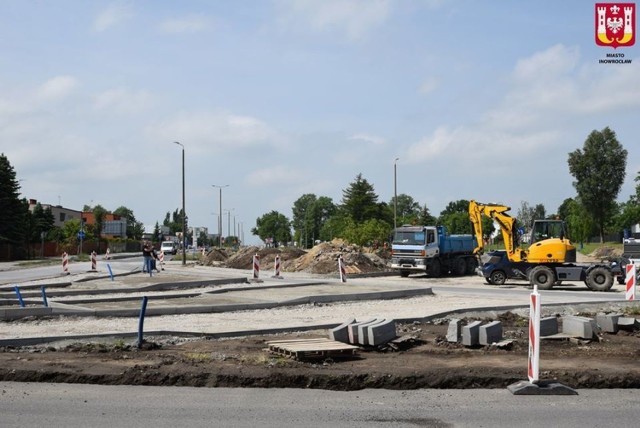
pixel 615 24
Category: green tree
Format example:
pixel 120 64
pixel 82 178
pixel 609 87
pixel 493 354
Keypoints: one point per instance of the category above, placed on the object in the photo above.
pixel 12 213
pixel 360 202
pixel 310 213
pixel 599 171
pixel 99 215
pixel 527 214
pixel 455 217
pixel 425 218
pixel 273 225
pixel 135 228
pixel 408 210
pixel 579 223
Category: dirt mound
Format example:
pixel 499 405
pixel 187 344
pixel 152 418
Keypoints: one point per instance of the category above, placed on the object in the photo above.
pixel 604 253
pixel 243 259
pixel 214 257
pixel 323 259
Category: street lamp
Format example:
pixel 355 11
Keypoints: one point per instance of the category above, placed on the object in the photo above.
pixel 229 221
pixel 395 195
pixel 220 211
pixel 184 213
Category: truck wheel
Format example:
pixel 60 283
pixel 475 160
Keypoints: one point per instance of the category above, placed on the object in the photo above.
pixel 543 277
pixel 404 273
pixel 497 277
pixel 459 266
pixel 434 269
pixel 471 265
pixel 599 279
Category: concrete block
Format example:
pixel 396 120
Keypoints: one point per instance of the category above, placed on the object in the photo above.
pixel 341 332
pixel 628 323
pixel 454 332
pixel 490 333
pixel 548 326
pixel 580 327
pixel 608 322
pixel 382 332
pixel 363 332
pixel 471 334
pixel 352 329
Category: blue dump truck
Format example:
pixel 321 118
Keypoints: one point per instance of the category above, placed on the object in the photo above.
pixel 431 250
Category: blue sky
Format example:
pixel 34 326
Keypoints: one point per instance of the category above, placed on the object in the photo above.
pixel 478 99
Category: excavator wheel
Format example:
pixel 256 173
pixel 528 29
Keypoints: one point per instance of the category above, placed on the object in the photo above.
pixel 599 279
pixel 543 277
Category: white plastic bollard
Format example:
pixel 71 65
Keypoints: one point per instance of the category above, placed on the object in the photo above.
pixel 65 263
pixel 277 268
pixel 161 260
pixel 630 281
pixel 341 268
pixel 256 266
pixel 533 369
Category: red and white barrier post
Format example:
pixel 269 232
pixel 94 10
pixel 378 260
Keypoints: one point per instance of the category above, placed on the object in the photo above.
pixel 65 263
pixel 94 261
pixel 341 268
pixel 630 282
pixel 161 260
pixel 107 255
pixel 534 337
pixel 256 267
pixel 276 268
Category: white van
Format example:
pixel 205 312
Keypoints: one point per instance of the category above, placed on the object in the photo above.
pixel 169 247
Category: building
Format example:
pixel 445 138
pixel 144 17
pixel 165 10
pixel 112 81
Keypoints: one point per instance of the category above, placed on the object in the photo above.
pixel 60 214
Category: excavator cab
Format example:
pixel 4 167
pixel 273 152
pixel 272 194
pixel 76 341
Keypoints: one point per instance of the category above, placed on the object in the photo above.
pixel 549 243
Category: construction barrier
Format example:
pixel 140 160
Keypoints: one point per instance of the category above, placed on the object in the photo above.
pixel 533 368
pixel 277 268
pixel 256 266
pixel 161 260
pixel 107 255
pixel 341 268
pixel 94 261
pixel 630 281
pixel 65 263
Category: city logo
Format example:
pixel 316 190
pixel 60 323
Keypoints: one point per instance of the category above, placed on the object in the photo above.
pixel 615 24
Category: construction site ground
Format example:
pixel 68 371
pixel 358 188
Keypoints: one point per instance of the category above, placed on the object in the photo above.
pixel 209 324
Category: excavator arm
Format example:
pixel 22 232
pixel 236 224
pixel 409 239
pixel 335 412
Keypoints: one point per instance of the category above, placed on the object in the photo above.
pixel 497 213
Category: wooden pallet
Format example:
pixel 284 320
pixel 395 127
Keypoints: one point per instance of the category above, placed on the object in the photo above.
pixel 300 349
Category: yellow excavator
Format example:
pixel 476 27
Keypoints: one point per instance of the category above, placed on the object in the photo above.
pixel 549 259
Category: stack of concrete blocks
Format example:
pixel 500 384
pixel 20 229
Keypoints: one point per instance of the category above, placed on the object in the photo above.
pixel 580 327
pixel 612 323
pixel 372 332
pixel 548 326
pixel 474 333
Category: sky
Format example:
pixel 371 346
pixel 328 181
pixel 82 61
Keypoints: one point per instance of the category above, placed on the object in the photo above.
pixel 476 100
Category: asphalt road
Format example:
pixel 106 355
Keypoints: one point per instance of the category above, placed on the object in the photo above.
pixel 70 405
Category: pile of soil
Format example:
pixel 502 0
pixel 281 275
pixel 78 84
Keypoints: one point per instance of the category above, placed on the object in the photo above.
pixel 423 360
pixel 321 259
pixel 606 253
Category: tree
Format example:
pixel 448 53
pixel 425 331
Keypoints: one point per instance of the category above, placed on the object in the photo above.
pixel 360 202
pixel 527 214
pixel 425 217
pixel 310 213
pixel 273 225
pixel 407 209
pixel 12 213
pixel 99 214
pixel 135 228
pixel 455 217
pixel 579 223
pixel 599 170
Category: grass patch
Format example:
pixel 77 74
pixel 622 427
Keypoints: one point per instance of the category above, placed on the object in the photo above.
pixel 200 357
pixel 632 310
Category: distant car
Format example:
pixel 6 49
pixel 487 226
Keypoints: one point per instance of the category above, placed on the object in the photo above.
pixel 169 247
pixel 498 268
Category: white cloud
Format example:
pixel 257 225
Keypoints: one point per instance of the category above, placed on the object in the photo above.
pixel 123 101
pixel 113 15
pixel 355 18
pixel 274 176
pixel 187 24
pixel 56 88
pixel 371 139
pixel 208 131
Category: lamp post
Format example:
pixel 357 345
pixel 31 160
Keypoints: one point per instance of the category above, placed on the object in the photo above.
pixel 395 195
pixel 184 213
pixel 229 221
pixel 220 215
